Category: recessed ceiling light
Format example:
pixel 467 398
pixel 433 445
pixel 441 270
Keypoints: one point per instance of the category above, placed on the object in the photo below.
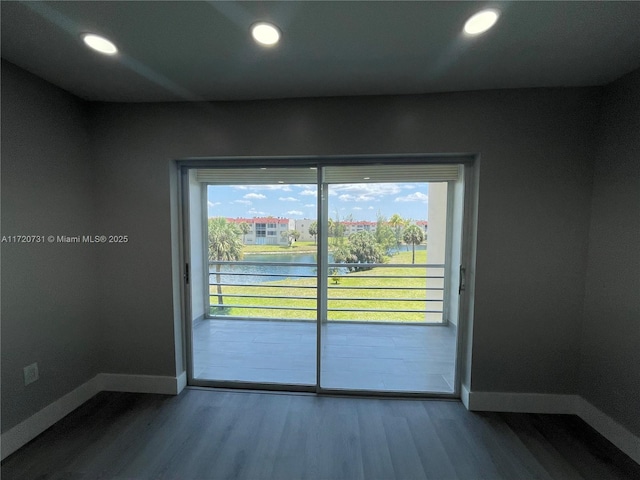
pixel 481 22
pixel 99 44
pixel 265 33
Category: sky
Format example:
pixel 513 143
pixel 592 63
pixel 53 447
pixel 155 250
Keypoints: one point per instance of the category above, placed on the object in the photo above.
pixel 361 200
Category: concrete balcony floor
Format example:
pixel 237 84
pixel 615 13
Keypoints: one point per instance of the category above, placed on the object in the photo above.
pixel 355 356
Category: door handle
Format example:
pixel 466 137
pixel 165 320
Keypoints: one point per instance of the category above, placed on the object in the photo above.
pixel 462 283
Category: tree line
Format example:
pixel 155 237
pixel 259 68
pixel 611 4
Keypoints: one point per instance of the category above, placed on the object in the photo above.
pixel 226 242
pixel 374 247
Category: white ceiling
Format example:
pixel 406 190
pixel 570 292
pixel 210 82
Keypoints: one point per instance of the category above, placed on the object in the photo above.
pixel 174 51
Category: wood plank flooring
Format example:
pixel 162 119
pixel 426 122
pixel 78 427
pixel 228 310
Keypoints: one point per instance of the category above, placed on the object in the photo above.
pixel 209 434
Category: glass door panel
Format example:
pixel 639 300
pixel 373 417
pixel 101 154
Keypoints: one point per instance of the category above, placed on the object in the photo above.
pixel 385 327
pixel 261 293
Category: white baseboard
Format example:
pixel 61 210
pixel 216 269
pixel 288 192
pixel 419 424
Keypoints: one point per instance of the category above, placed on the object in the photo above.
pixel 556 404
pixel 182 382
pixel 33 426
pixel 464 396
pixel 24 432
pixel 114 382
pixel 610 429
pixel 522 402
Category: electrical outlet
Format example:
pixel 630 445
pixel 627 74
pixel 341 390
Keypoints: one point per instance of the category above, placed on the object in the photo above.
pixel 31 373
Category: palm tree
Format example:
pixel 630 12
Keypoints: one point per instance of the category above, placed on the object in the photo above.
pixel 397 222
pixel 244 228
pixel 330 226
pixel 413 235
pixel 336 229
pixel 224 246
pixel 384 234
pixel 313 231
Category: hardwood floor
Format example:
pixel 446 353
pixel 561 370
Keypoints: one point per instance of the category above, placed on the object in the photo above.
pixel 204 434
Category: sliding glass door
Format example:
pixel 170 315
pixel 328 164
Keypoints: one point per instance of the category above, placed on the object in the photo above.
pixel 259 324
pixel 325 277
pixel 385 327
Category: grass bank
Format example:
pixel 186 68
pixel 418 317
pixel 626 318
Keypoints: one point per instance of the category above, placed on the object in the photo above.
pixel 354 290
pixel 297 247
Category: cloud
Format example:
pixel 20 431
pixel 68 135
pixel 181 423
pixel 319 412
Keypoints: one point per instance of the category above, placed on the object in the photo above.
pixel 364 192
pixel 370 208
pixel 375 190
pixel 309 205
pixel 294 212
pixel 253 211
pixel 256 196
pixel 213 204
pixel 414 197
pixel 243 202
pixel 346 197
pixel 357 208
pixel 288 199
pixel 285 188
pixel 312 191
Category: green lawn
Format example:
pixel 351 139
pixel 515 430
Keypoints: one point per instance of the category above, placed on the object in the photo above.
pixel 340 298
pixel 297 247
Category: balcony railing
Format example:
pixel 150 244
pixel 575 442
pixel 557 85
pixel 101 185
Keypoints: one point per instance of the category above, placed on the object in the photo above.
pixel 378 292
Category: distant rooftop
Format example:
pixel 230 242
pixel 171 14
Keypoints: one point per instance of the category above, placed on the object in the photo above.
pixel 258 220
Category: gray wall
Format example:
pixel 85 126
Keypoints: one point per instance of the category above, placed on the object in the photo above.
pixel 610 367
pixel 48 290
pixel 535 184
pixel 537 150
